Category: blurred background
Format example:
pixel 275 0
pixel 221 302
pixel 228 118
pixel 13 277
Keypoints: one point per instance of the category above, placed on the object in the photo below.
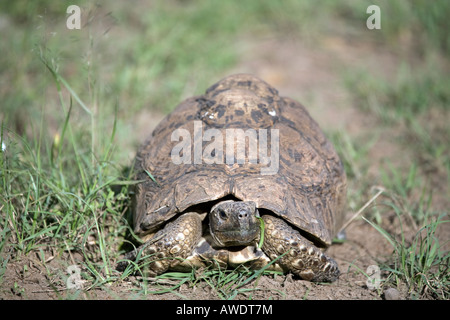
pixel 147 56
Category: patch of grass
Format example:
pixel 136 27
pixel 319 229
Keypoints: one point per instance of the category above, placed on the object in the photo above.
pixel 416 90
pixel 56 194
pixel 354 154
pixel 227 284
pixel 421 263
pixel 416 107
pixel 411 105
pixel 425 22
pixel 394 180
pixel 412 193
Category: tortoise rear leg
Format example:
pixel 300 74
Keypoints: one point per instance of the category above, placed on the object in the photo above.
pixel 169 246
pixel 303 258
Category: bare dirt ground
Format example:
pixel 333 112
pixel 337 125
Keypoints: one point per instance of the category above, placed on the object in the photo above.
pixel 26 278
pixel 311 74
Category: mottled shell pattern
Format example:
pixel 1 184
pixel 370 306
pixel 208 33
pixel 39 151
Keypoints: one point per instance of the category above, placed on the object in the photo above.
pixel 302 179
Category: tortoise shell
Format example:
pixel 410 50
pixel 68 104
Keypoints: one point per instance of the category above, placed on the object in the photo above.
pixel 190 159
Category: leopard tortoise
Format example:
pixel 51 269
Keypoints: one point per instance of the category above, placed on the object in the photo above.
pixel 211 193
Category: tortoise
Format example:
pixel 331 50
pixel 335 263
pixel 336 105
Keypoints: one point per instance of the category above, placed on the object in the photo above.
pixel 205 200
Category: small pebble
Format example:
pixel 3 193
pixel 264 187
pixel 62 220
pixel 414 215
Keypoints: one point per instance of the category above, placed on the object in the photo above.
pixel 391 294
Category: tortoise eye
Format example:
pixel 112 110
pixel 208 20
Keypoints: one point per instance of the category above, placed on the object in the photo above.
pixel 222 214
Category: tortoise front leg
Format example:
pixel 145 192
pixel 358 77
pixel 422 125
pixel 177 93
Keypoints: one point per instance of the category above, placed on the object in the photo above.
pixel 170 245
pixel 302 257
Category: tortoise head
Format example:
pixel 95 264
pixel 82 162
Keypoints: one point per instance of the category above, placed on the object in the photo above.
pixel 234 223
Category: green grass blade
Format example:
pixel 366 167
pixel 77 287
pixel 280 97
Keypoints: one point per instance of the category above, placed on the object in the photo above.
pixel 383 232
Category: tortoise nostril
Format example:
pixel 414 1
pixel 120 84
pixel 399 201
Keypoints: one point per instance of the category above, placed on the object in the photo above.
pixel 243 214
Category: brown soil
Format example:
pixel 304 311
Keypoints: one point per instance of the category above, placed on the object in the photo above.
pixel 27 278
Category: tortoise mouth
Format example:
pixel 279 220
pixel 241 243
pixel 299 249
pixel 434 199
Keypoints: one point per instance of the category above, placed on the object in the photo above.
pixel 236 238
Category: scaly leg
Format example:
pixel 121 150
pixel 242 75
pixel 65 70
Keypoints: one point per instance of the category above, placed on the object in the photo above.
pixel 303 258
pixel 170 245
